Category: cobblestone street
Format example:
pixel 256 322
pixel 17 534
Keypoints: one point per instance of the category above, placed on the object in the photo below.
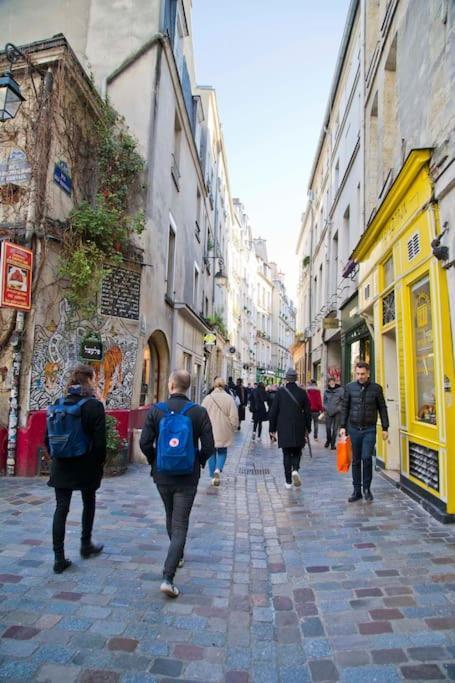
pixel 288 586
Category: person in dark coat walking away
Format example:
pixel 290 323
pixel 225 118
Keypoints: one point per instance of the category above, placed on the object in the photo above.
pixel 83 473
pixel 362 401
pixel 177 491
pixel 290 416
pixel 271 390
pixel 333 401
pixel 258 407
pixel 314 396
pixel 243 400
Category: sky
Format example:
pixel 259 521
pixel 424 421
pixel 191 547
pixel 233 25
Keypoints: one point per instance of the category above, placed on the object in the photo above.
pixel 272 66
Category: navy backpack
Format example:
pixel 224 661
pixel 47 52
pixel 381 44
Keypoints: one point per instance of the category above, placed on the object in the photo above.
pixel 176 452
pixel 64 429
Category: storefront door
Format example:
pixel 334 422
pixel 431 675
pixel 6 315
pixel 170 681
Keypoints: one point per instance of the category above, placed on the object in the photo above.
pixel 391 395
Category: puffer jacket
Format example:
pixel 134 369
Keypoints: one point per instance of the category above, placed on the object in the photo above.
pixel 333 400
pixel 361 404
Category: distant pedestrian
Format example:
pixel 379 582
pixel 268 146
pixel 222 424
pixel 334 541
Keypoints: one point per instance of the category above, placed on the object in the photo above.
pixel 290 416
pixel 223 415
pixel 78 467
pixel 271 390
pixel 242 400
pixel 314 396
pixel 258 406
pixel 362 401
pixel 333 402
pixel 176 448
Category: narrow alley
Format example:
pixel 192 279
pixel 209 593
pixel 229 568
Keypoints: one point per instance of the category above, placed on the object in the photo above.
pixel 285 586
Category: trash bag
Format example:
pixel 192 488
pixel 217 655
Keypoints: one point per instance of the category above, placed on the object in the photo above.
pixel 344 454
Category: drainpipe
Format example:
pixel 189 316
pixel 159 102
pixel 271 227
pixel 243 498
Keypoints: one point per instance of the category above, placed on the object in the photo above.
pixel 18 334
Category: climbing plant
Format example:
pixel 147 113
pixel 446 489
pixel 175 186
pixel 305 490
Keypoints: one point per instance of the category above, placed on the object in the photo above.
pixel 99 230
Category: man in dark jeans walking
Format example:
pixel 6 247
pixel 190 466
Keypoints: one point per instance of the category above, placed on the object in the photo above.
pixel 361 403
pixel 177 491
pixel 290 416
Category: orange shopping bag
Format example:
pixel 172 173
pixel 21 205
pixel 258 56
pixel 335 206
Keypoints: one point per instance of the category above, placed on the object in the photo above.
pixel 344 454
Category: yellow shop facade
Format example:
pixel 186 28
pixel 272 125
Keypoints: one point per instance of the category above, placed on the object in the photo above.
pixel 404 299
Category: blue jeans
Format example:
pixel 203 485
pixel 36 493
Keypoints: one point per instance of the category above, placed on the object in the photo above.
pixel 217 460
pixel 363 442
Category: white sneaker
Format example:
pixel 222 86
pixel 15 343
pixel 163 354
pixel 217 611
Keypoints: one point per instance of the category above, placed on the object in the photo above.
pixel 216 478
pixel 288 486
pixel 169 589
pixel 296 478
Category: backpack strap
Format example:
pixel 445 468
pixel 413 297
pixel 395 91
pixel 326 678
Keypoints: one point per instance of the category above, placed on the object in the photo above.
pixel 186 407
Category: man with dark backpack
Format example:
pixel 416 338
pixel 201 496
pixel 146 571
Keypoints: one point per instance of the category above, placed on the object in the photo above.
pixel 177 440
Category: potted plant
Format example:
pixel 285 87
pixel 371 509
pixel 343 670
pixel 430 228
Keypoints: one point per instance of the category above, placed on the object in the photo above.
pixel 116 449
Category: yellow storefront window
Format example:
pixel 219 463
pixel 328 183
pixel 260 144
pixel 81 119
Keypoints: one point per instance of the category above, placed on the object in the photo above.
pixel 424 352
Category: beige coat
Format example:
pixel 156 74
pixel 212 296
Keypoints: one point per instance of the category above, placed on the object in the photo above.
pixel 223 415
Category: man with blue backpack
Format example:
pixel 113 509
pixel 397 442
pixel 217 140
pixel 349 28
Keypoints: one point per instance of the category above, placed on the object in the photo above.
pixel 177 440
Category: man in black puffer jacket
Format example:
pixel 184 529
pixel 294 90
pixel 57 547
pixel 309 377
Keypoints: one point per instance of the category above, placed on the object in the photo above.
pixel 361 403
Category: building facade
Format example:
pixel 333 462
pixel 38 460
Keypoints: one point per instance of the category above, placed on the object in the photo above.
pixel 396 239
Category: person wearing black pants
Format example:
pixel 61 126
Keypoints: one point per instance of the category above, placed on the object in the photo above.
pixel 290 416
pixel 258 406
pixel 177 491
pixel 82 473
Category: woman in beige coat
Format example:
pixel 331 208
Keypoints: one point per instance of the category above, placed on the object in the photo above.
pixel 224 418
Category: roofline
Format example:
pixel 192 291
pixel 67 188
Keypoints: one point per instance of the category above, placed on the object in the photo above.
pixel 352 12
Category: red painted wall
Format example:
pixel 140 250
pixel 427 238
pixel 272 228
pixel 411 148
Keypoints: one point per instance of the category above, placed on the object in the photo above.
pixel 31 438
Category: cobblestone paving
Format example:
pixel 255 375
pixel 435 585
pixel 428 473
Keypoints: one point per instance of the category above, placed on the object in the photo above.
pixel 278 586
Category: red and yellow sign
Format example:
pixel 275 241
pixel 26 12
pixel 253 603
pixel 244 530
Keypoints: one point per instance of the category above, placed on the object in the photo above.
pixel 16 276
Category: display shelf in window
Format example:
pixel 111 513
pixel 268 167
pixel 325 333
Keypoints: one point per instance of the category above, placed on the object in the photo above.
pixel 424 464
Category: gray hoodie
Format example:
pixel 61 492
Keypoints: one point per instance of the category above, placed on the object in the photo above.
pixel 333 399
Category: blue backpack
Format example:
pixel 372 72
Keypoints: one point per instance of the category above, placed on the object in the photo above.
pixel 176 452
pixel 64 429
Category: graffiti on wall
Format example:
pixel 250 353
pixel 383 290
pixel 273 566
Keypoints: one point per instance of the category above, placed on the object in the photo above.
pixel 56 351
pixel 334 372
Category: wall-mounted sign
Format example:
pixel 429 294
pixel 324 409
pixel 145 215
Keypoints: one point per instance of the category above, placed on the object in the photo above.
pixel 210 339
pixel 16 276
pixel 330 323
pixel 91 347
pixel 62 177
pixel 120 293
pixel 14 167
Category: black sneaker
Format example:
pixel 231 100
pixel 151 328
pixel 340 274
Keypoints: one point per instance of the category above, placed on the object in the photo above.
pixel 368 496
pixel 91 549
pixel 326 445
pixel 355 496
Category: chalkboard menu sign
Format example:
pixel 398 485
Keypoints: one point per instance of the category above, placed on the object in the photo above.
pixel 120 294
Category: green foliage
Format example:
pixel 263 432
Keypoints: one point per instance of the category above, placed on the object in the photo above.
pixel 99 231
pixel 113 438
pixel 216 321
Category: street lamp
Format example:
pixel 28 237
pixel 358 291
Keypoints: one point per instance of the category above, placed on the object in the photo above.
pixel 220 277
pixel 10 97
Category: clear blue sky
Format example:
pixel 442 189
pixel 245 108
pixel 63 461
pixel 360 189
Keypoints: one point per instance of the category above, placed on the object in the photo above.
pixel 272 66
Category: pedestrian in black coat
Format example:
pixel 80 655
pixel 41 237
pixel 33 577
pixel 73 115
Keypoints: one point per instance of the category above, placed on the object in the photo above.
pixel 243 400
pixel 83 473
pixel 258 406
pixel 177 491
pixel 290 416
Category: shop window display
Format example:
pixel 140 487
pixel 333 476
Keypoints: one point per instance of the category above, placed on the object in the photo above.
pixel 424 352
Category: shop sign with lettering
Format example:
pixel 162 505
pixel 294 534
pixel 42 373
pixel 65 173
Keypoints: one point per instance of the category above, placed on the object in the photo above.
pixel 91 348
pixel 210 339
pixel 16 276
pixel 330 323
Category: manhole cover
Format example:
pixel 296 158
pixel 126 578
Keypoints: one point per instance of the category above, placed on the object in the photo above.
pixel 254 470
